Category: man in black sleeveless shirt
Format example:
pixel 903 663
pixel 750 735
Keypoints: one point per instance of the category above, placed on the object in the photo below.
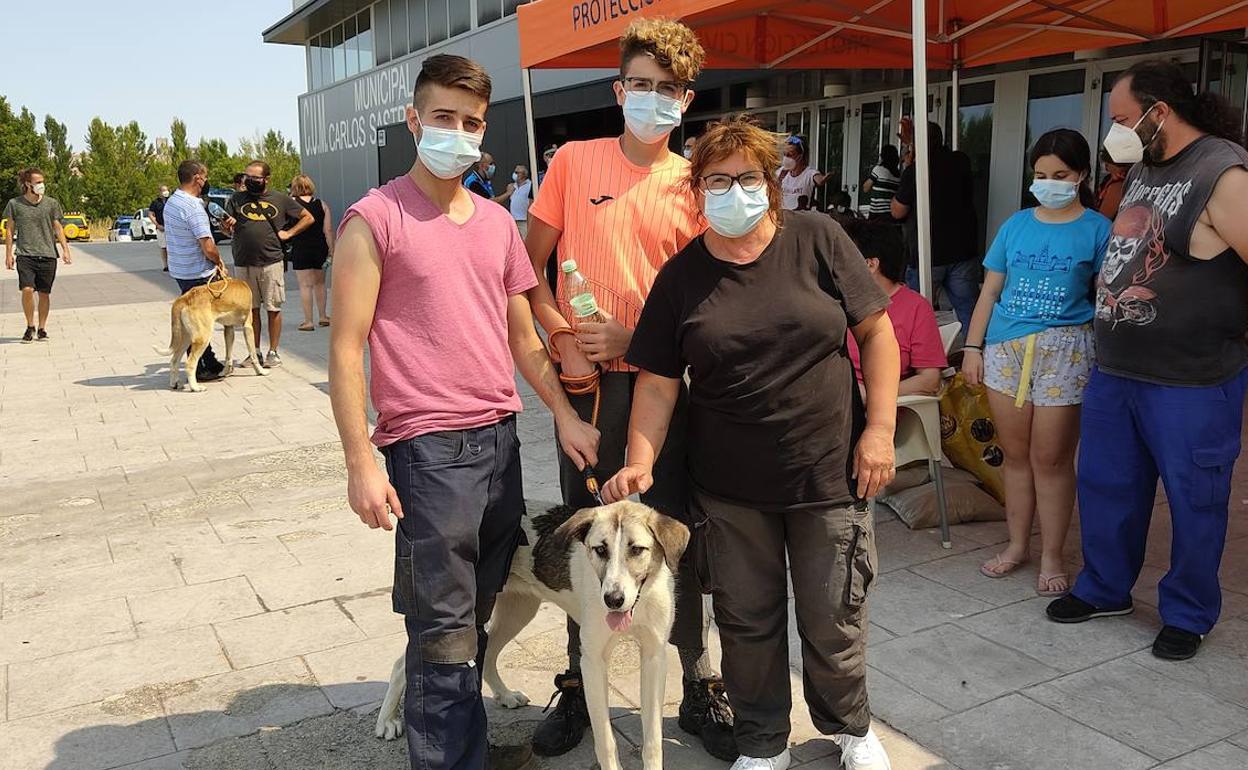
pixel 1166 400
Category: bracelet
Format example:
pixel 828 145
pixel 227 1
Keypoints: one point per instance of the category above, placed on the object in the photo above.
pixel 980 348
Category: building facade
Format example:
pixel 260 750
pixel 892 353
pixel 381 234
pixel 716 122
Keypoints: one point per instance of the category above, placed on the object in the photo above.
pixel 363 57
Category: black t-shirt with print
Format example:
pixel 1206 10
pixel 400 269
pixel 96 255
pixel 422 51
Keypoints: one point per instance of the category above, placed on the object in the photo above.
pixel 255 242
pixel 774 408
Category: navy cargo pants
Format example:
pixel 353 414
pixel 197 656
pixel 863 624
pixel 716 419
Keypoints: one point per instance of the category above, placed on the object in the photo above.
pixel 1132 434
pixel 463 501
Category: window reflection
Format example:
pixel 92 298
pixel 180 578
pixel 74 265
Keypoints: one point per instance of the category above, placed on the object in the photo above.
pixel 1054 100
pixel 975 139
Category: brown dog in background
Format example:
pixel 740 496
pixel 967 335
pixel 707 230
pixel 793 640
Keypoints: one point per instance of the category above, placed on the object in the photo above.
pixel 192 318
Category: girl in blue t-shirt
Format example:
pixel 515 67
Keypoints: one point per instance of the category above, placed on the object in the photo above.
pixel 1030 342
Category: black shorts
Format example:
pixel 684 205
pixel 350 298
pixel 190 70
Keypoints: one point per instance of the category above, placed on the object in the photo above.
pixel 36 273
pixel 309 260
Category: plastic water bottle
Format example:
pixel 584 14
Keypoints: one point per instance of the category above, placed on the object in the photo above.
pixel 579 294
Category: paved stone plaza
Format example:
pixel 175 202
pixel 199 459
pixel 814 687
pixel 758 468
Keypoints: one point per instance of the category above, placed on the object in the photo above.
pixel 183 586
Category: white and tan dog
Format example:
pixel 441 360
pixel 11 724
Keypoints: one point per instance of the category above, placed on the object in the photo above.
pixel 190 325
pixel 611 569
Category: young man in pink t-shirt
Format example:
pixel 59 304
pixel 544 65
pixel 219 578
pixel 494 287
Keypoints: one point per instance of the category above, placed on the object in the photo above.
pixel 914 320
pixel 434 279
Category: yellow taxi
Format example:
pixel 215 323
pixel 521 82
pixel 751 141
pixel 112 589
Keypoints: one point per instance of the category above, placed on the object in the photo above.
pixel 76 227
pixel 4 224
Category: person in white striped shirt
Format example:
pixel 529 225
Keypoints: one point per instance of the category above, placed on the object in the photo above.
pixel 193 254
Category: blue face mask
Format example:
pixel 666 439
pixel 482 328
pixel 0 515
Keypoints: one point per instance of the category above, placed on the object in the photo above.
pixel 736 212
pixel 1054 193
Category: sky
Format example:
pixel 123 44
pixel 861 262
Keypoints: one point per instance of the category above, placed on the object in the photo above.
pixel 152 61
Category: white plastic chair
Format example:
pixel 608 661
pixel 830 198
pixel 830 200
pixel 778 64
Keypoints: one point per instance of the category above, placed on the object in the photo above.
pixel 918 435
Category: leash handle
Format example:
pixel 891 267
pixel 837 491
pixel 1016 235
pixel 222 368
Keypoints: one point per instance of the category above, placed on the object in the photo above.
pixel 591 483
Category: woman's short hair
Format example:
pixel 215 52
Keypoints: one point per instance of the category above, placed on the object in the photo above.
pixel 882 241
pixel 738 133
pixel 302 184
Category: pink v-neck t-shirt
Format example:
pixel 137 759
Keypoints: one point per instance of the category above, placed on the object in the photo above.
pixel 438 351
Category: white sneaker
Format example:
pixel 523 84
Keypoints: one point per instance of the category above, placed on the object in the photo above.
pixel 779 762
pixel 273 360
pixel 865 753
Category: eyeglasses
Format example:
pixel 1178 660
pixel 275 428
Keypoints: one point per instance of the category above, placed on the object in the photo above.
pixel 669 88
pixel 719 184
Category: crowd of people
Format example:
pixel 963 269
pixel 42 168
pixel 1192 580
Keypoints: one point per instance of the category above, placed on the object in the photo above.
pixel 1083 332
pixel 746 354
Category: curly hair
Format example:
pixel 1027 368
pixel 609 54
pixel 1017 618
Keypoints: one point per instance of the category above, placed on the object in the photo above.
pixel 673 45
pixel 738 133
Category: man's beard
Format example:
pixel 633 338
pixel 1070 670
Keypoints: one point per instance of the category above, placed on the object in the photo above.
pixel 1154 151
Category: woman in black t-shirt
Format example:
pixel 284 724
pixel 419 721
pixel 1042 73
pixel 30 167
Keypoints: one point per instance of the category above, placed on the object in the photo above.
pixel 782 455
pixel 310 250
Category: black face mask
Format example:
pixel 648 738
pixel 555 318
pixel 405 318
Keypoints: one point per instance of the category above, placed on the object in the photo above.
pixel 254 187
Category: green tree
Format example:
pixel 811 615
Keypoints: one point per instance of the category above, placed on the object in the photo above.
pixel 215 154
pixel 178 148
pixel 276 150
pixel 64 181
pixel 119 172
pixel 20 146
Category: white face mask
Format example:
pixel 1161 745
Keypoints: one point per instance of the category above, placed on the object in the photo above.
pixel 687 152
pixel 1124 145
pixel 38 188
pixel 787 163
pixel 650 117
pixel 446 153
pixel 736 212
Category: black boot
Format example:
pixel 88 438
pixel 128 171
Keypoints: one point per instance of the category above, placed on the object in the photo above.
pixel 706 713
pixel 563 730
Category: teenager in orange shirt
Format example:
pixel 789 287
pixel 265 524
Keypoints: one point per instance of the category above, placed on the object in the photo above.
pixel 621 207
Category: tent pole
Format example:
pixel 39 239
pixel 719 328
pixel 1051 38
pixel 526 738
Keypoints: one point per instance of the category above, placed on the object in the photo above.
pixel 527 83
pixel 923 212
pixel 955 100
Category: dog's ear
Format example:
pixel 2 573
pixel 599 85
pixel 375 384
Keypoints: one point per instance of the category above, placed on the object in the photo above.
pixel 574 529
pixel 673 537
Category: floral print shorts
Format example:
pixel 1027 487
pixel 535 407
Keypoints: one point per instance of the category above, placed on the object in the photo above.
pixel 1060 365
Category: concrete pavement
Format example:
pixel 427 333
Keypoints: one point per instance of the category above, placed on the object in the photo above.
pixel 183 586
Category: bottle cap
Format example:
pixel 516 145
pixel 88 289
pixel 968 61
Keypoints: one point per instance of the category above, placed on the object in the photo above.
pixel 569 266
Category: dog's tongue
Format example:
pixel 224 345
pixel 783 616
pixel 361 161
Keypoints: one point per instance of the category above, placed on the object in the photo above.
pixel 620 621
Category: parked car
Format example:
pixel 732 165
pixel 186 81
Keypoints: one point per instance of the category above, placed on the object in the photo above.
pixel 76 227
pixel 120 231
pixel 4 228
pixel 142 226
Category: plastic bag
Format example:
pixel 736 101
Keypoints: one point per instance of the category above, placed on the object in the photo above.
pixel 968 435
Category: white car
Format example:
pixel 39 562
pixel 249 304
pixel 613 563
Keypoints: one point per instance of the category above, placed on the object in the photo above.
pixel 142 226
pixel 120 231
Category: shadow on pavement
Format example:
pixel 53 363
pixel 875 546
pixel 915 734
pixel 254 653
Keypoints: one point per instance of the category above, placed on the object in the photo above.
pixel 146 380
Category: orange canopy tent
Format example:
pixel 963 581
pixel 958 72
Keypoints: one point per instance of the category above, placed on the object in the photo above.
pixel 836 34
pixel 852 34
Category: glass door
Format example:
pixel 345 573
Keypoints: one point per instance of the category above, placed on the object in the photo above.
pixel 872 128
pixel 1224 71
pixel 798 122
pixel 830 150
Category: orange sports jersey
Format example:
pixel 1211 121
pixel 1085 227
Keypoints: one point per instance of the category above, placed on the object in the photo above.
pixel 619 221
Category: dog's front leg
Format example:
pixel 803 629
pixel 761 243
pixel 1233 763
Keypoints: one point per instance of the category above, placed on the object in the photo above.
pixel 653 689
pixel 390 717
pixel 594 676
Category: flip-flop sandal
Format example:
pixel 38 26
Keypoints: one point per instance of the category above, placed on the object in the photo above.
pixel 324 322
pixel 986 569
pixel 306 327
pixel 1047 580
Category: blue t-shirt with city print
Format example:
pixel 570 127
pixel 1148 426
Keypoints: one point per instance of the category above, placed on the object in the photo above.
pixel 1049 271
